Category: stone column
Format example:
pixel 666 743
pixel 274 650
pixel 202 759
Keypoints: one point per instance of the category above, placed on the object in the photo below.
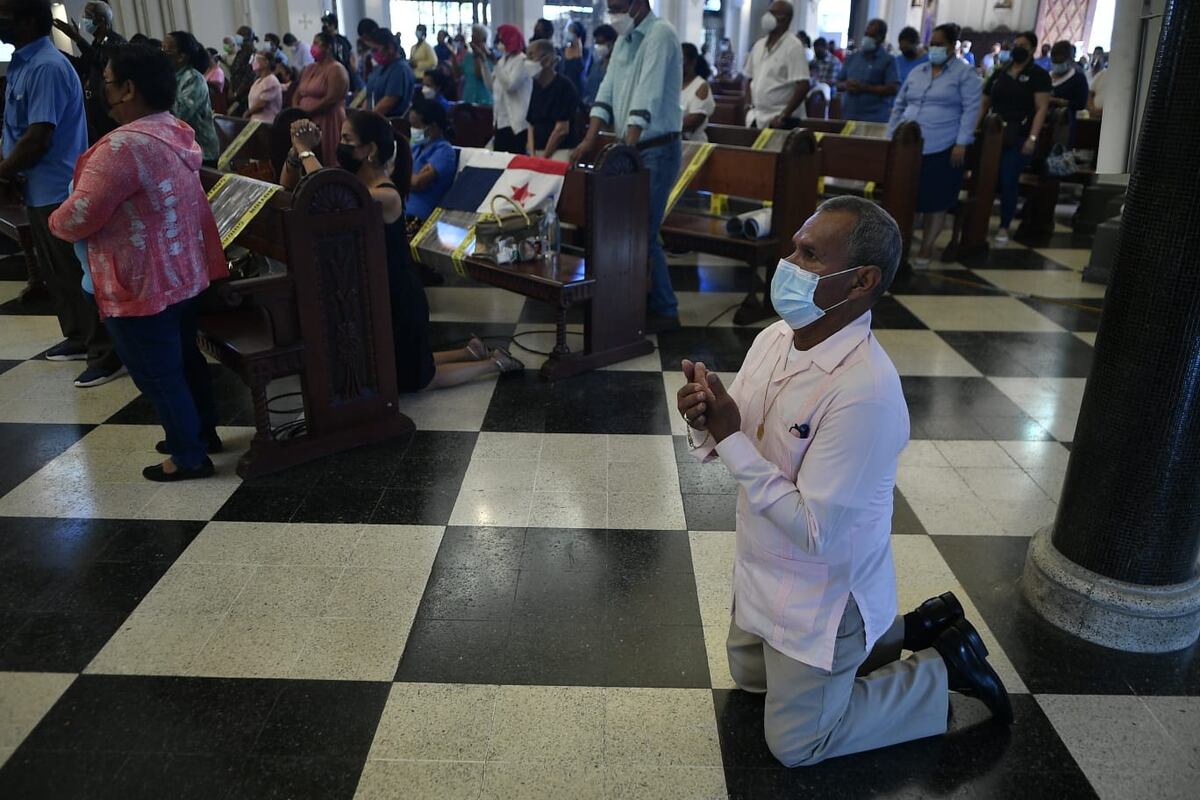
pixel 1119 567
pixel 1120 88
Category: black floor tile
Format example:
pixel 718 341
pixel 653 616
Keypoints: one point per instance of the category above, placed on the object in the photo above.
pixel 60 776
pixel 721 349
pixel 557 551
pixel 542 654
pixel 641 597
pixel 1011 258
pixel 260 504
pixel 276 778
pixel 444 474
pixel 660 656
pixel 157 540
pixel 979 760
pixel 147 776
pixel 454 651
pixel 904 519
pixel 705 478
pixel 57 642
pixel 481 548
pixel 414 507
pixel 333 719
pixel 1023 355
pixel 888 313
pixel 965 408
pixel 564 598
pixel 38 308
pixel 1075 315
pixel 710 512
pixel 650 551
pixel 455 335
pixel 538 313
pixel 1048 659
pixel 597 402
pixel 234 407
pixel 942 282
pixel 5 364
pixel 469 594
pixel 338 504
pixel 453 445
pixel 103 588
pixel 29 447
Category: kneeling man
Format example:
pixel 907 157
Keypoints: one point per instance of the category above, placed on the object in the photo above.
pixel 811 429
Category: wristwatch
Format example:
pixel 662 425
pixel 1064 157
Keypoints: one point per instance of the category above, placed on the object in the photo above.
pixel 306 154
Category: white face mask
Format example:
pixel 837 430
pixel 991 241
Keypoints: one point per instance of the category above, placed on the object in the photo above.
pixel 622 23
pixel 792 291
pixel 572 37
pixel 500 50
pixel 428 92
pixel 601 50
pixel 769 23
pixel 809 54
pixel 532 68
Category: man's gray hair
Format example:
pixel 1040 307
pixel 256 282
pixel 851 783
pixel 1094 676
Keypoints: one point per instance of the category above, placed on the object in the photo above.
pixel 875 238
pixel 103 9
pixel 479 27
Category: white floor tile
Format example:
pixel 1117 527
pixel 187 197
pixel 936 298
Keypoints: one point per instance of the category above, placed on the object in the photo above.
pixel 1053 402
pixel 923 353
pixel 42 391
pixel 25 336
pixel 1042 283
pixel 955 313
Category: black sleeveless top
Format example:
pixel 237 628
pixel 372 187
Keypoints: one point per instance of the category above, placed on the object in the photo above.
pixel 410 310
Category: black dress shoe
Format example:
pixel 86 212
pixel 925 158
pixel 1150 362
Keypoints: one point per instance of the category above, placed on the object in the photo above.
pixel 923 625
pixel 157 474
pixel 968 671
pixel 214 444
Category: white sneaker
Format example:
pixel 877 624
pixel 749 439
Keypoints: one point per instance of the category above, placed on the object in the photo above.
pixel 920 262
pixel 1001 237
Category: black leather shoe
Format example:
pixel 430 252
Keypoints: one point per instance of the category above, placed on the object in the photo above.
pixel 157 474
pixel 968 671
pixel 215 445
pixel 923 625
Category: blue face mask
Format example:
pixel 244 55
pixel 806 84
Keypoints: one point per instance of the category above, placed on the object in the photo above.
pixel 792 291
pixel 417 136
pixel 938 55
pixel 1061 69
pixel 869 44
pixel 1005 56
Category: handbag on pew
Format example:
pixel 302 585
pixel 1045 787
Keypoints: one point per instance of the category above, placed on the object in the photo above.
pixel 523 228
pixel 1061 161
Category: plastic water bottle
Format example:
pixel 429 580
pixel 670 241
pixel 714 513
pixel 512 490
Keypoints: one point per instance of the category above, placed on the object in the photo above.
pixel 551 234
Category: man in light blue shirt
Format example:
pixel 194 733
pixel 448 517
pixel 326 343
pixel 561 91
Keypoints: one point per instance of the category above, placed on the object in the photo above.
pixel 639 100
pixel 869 78
pixel 45 132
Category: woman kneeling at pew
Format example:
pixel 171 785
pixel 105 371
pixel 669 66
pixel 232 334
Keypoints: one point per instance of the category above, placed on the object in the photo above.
pixel 367 149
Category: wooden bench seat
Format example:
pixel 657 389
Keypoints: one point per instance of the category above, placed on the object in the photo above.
pixel 607 206
pixel 327 320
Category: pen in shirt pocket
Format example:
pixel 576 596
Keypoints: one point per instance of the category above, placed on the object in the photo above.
pixel 799 431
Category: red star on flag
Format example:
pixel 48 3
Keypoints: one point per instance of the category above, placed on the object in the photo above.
pixel 521 193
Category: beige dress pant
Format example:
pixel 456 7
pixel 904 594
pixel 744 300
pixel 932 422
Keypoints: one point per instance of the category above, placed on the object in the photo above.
pixel 868 700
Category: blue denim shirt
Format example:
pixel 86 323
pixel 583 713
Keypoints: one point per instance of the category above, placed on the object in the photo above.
pixel 643 81
pixel 876 69
pixel 945 107
pixel 441 155
pixel 43 87
pixel 906 65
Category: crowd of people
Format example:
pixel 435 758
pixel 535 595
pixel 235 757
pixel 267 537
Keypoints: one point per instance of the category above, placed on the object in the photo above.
pixel 551 96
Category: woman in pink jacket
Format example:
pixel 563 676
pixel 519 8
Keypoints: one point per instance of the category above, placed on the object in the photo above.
pixel 152 246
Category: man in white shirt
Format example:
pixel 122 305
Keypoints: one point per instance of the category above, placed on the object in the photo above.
pixel 776 72
pixel 811 429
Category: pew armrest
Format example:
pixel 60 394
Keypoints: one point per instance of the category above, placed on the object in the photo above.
pixel 261 290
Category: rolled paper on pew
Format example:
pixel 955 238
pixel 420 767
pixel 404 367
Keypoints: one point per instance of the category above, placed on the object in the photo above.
pixel 756 224
pixel 733 225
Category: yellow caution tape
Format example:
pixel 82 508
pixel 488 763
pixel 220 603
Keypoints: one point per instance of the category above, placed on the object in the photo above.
pixel 848 128
pixel 718 205
pixel 686 176
pixel 238 142
pixel 818 134
pixel 218 186
pixel 820 185
pixel 869 190
pixel 764 137
pixel 268 191
pixel 423 233
pixel 360 99
pixel 457 255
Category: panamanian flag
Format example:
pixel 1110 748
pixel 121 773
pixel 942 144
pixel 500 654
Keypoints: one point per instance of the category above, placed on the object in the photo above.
pixel 533 183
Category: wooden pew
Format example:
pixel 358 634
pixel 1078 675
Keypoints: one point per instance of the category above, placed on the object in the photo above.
pixel 263 155
pixel 893 165
pixel 730 110
pixel 1039 189
pixel 607 204
pixel 785 176
pixel 974 213
pixel 327 320
pixel 472 125
pixel 14 224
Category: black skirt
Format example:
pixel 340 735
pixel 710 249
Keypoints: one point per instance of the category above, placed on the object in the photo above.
pixel 940 183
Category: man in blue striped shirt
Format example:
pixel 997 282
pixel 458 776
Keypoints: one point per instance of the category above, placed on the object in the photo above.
pixel 639 100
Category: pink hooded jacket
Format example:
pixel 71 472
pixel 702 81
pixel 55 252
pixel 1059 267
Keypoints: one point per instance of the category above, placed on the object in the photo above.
pixel 151 237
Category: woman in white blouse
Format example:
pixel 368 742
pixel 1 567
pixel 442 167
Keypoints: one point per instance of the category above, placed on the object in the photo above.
pixel 512 85
pixel 696 98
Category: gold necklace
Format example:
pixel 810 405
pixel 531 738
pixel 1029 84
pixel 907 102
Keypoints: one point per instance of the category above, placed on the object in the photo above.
pixel 762 425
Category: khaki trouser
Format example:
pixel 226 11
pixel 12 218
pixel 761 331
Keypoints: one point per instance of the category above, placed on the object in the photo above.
pixel 868 700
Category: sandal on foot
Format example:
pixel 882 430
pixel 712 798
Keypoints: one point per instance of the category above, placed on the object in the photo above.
pixel 506 362
pixel 477 348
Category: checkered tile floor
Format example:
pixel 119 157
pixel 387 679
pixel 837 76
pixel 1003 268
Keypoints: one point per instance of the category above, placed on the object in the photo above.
pixel 529 597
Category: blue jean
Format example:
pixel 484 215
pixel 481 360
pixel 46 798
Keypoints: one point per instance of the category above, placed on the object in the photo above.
pixel 1012 164
pixel 663 164
pixel 163 360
